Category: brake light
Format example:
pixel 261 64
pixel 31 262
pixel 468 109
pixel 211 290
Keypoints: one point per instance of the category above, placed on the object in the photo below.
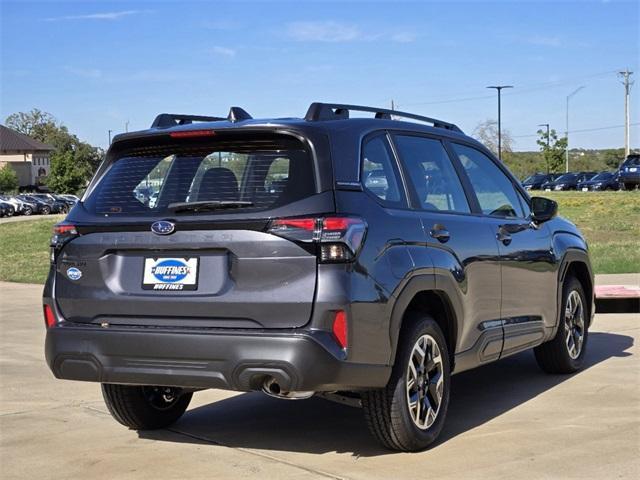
pixel 192 133
pixel 62 233
pixel 340 238
pixel 49 317
pixel 340 328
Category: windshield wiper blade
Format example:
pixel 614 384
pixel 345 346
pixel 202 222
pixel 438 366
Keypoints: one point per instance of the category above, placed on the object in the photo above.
pixel 207 205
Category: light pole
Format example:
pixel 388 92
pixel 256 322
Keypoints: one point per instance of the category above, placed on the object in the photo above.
pixel 548 133
pixel 110 136
pixel 566 153
pixel 499 90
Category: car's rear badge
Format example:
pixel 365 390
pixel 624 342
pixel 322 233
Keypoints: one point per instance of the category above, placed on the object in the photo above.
pixel 74 273
pixel 163 227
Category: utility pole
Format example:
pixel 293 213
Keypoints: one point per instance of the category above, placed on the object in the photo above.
pixel 627 89
pixel 566 153
pixel 548 144
pixel 499 88
pixel 110 136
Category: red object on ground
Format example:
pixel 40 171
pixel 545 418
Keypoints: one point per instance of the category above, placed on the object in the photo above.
pixel 617 291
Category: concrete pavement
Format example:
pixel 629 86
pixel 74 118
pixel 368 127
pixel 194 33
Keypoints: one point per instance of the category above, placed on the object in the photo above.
pixel 506 420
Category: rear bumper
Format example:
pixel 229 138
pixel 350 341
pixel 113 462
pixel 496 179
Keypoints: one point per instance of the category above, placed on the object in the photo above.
pixel 305 361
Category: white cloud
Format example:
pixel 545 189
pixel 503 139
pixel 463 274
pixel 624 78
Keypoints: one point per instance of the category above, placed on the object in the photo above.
pixel 404 37
pixel 84 72
pixel 323 32
pixel 96 16
pixel 224 51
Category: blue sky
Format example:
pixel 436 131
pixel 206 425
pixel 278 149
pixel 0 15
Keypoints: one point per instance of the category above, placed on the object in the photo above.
pixel 96 65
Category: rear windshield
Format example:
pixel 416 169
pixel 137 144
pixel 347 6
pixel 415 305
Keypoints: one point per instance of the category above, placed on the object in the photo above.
pixel 221 177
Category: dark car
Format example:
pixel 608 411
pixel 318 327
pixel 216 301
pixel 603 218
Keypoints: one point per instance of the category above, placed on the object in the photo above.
pixel 321 285
pixel 56 205
pixel 601 181
pixel 568 181
pixel 629 173
pixel 39 206
pixel 6 209
pixel 535 181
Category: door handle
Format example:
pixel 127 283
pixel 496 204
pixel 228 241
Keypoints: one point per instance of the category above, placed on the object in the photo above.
pixel 503 236
pixel 440 233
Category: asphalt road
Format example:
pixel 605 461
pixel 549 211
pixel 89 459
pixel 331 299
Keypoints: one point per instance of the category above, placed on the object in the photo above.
pixel 506 420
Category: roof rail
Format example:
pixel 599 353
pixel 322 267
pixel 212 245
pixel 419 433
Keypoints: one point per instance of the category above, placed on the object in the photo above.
pixel 337 111
pixel 165 120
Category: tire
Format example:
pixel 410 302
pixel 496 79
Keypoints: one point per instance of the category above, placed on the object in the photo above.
pixel 145 408
pixel 557 355
pixel 27 211
pixel 387 410
pixel 46 210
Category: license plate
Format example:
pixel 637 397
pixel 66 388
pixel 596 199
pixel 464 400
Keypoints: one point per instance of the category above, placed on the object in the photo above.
pixel 170 273
pixel 633 169
pixel 585 189
pixel 547 189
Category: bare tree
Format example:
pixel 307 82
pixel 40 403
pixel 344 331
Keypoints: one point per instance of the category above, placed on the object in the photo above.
pixel 487 133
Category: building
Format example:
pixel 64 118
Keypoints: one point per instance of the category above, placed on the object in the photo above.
pixel 28 157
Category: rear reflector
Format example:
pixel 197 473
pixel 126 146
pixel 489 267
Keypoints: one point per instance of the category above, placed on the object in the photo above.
pixel 49 317
pixel 192 133
pixel 340 328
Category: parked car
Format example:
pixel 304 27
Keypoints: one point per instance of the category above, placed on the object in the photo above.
pixel 601 181
pixel 374 296
pixel 68 201
pixel 535 181
pixel 568 181
pixel 20 207
pixel 629 173
pixel 57 206
pixel 41 207
pixel 6 209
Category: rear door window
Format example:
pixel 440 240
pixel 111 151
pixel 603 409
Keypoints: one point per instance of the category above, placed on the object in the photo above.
pixel 432 174
pixel 243 175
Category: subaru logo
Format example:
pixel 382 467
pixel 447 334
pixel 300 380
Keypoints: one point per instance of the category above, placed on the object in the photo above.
pixel 163 227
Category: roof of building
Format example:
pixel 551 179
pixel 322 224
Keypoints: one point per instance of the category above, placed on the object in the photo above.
pixel 14 142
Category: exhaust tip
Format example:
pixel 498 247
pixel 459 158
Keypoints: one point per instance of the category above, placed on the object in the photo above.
pixel 272 388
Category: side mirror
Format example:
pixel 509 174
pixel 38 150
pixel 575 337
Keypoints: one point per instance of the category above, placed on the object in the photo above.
pixel 543 209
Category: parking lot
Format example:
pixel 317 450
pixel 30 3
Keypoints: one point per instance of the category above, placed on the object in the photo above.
pixel 507 419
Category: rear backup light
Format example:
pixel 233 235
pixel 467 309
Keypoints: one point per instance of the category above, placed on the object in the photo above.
pixel 340 238
pixel 340 328
pixel 192 133
pixel 49 317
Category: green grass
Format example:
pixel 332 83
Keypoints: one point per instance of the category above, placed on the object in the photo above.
pixel 24 250
pixel 609 220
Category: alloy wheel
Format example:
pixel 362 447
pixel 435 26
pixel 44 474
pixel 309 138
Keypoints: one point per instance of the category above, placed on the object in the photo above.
pixel 574 324
pixel 161 398
pixel 425 382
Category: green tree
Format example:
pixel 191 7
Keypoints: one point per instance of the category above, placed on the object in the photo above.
pixel 553 149
pixel 72 157
pixel 8 179
pixel 66 174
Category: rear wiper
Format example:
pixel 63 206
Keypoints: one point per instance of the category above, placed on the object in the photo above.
pixel 207 205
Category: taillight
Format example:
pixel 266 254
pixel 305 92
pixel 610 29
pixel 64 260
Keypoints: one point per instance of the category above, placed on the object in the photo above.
pixel 340 328
pixel 62 233
pixel 49 317
pixel 339 238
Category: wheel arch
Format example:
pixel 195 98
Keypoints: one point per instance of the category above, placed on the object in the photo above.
pixel 575 263
pixel 422 295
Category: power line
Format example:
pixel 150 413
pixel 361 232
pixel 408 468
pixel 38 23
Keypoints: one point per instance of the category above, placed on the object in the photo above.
pixel 583 130
pixel 531 88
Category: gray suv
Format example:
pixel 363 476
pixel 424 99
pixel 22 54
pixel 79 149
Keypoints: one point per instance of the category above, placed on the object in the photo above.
pixel 364 259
